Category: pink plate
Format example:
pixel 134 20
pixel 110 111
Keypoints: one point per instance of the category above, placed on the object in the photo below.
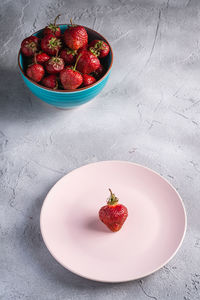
pixel 77 239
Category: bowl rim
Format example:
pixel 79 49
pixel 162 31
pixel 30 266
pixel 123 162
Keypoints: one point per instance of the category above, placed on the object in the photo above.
pixel 75 90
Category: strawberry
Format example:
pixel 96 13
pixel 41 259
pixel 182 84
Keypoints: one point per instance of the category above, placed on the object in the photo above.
pixel 75 36
pixel 50 44
pixel 113 215
pixel 88 62
pixel 99 72
pixel 50 81
pixel 29 46
pixel 53 29
pixel 85 47
pixel 68 55
pixel 88 80
pixel 99 48
pixel 35 71
pixel 54 65
pixel 42 57
pixel 70 78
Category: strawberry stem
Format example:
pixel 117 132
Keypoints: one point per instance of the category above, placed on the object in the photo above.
pixel 71 24
pixel 35 59
pixel 74 68
pixel 56 86
pixel 112 200
pixel 56 19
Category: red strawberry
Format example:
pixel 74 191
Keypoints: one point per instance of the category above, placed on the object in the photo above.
pixel 54 65
pixel 68 55
pixel 29 45
pixel 75 36
pixel 53 29
pixel 88 62
pixel 50 81
pixel 35 71
pixel 82 49
pixel 70 78
pixel 42 57
pixel 113 215
pixel 50 44
pixel 88 80
pixel 99 48
pixel 99 72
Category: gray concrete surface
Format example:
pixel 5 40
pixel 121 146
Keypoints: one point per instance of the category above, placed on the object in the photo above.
pixel 148 113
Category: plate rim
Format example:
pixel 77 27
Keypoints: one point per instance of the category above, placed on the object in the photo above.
pixel 126 280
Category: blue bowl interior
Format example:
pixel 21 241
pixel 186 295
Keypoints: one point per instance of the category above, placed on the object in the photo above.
pixel 24 61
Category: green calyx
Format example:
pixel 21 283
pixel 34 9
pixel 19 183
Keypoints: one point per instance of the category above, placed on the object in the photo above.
pixel 31 45
pixel 97 48
pixel 112 200
pixel 98 45
pixel 54 43
pixel 55 60
pixel 94 51
pixel 53 26
pixel 70 51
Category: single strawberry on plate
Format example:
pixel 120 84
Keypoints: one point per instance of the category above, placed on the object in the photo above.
pixel 88 62
pixel 113 215
pixel 42 57
pixel 51 44
pixel 68 55
pixel 54 65
pixel 53 29
pixel 88 80
pixel 99 48
pixel 35 71
pixel 75 36
pixel 29 46
pixel 50 81
pixel 70 78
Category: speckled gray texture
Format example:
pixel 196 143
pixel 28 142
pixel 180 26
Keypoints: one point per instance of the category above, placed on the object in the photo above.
pixel 148 113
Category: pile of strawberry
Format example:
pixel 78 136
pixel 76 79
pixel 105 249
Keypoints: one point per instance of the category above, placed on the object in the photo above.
pixel 65 61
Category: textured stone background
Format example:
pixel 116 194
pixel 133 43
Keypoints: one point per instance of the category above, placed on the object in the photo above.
pixel 148 113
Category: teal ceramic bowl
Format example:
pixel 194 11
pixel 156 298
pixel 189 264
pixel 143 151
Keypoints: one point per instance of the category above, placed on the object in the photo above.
pixel 68 98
